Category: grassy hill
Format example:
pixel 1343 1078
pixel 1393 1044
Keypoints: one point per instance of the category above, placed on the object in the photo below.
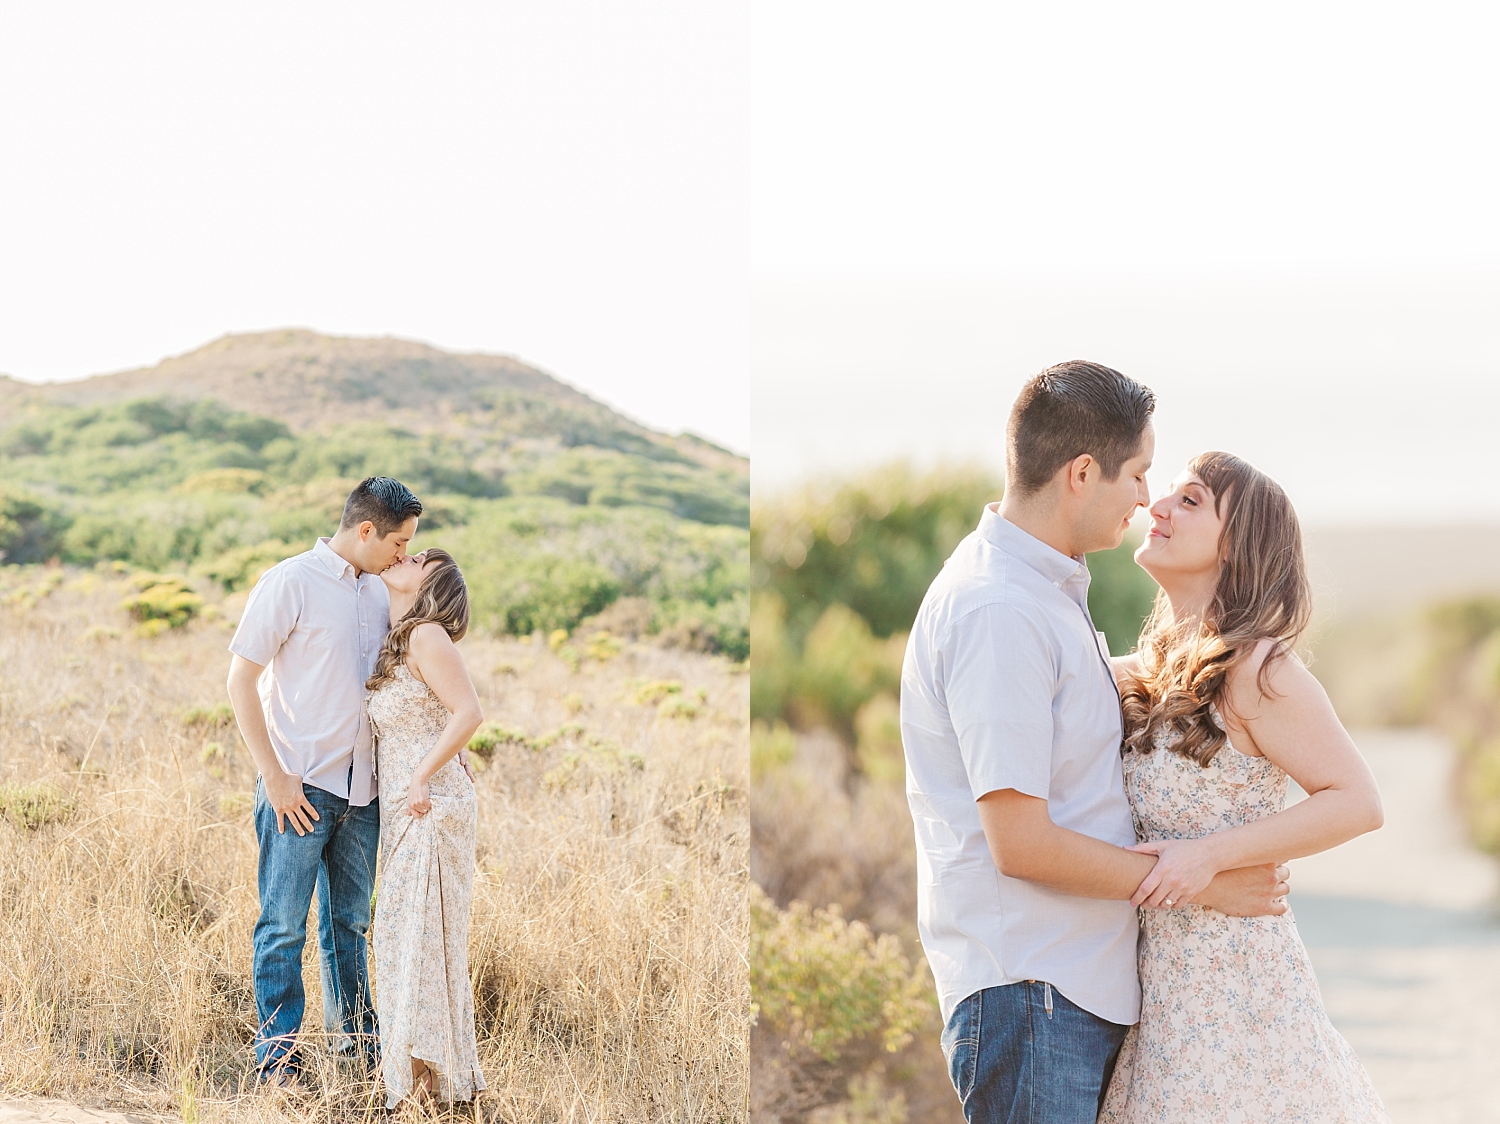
pixel 222 461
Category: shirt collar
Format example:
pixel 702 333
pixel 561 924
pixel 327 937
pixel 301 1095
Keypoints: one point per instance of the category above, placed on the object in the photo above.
pixel 337 566
pixel 1052 564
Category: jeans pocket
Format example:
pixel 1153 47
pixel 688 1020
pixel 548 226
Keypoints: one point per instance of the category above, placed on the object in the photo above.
pixel 961 1044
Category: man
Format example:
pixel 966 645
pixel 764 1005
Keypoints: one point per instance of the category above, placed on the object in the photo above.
pixel 305 645
pixel 1012 728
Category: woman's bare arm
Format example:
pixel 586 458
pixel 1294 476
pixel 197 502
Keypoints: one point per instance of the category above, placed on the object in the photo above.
pixel 1025 843
pixel 433 658
pixel 1126 666
pixel 1293 725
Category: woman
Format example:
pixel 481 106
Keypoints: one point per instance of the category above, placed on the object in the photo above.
pixel 424 710
pixel 1218 712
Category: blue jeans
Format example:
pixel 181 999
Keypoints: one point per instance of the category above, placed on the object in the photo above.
pixel 1023 1054
pixel 337 858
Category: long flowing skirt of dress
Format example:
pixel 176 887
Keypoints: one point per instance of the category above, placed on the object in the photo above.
pixel 423 996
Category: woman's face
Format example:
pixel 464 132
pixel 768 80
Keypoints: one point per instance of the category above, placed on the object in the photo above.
pixel 1185 530
pixel 405 576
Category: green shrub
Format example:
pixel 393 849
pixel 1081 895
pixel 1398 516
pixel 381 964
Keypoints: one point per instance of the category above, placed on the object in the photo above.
pixel 546 593
pixel 871 1101
pixel 723 627
pixel 161 598
pixel 877 739
pixel 242 566
pixel 872 543
pixel 30 530
pixel 603 647
pixel 1458 689
pixel 233 480
pixel 843 666
pixel 32 806
pixel 678 707
pixel 772 660
pixel 218 714
pixel 772 747
pixel 612 478
pixel 655 691
pixel 491 736
pixel 543 564
pixel 823 982
pixel 1481 793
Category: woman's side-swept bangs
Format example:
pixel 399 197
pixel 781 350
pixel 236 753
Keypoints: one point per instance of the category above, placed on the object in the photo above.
pixel 1262 593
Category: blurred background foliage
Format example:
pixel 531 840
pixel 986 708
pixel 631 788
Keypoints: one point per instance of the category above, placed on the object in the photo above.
pixel 1457 688
pixel 550 529
pixel 839 568
pixel 847 1023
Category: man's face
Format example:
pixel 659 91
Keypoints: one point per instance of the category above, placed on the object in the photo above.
pixel 1111 503
pixel 375 554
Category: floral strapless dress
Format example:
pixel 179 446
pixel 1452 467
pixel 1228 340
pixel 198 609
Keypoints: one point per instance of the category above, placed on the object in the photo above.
pixel 1232 1026
pixel 422 993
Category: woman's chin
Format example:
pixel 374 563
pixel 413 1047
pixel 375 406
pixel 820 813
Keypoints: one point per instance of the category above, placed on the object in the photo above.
pixel 1148 556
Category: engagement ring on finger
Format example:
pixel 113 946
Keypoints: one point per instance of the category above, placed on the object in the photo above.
pixel 1169 903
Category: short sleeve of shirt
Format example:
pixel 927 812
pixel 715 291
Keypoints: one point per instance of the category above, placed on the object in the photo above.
pixel 999 691
pixel 270 615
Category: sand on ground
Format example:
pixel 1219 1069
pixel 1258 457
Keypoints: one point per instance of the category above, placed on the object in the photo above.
pixel 61 1112
pixel 1404 935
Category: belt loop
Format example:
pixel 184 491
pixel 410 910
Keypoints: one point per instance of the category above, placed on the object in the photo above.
pixel 1047 998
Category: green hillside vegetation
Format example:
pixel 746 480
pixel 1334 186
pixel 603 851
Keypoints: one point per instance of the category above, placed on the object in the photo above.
pixel 549 527
pixel 838 571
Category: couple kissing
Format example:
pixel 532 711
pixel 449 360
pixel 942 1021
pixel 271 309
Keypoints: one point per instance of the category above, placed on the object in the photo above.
pixel 355 704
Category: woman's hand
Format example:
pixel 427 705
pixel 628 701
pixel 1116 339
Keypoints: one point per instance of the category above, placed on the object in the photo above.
pixel 418 803
pixel 1183 870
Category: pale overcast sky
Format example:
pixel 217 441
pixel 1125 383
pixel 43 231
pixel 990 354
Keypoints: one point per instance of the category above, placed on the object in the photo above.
pixel 674 205
pixel 555 181
pixel 1282 218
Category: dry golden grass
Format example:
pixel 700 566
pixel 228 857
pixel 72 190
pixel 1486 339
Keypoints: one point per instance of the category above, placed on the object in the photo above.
pixel 608 938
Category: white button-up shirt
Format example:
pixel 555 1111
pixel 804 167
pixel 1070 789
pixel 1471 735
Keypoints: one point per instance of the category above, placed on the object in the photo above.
pixel 1006 684
pixel 317 628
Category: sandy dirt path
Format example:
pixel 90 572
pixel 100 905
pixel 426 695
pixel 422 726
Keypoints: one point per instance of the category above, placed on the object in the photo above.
pixel 61 1112
pixel 1404 934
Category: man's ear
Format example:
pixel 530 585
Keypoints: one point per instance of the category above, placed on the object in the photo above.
pixel 365 530
pixel 1081 470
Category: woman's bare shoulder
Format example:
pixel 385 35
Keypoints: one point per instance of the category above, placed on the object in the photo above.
pixel 1271 675
pixel 429 642
pixel 431 636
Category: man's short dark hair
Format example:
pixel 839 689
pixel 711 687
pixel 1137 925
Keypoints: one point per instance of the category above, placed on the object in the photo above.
pixel 385 502
pixel 1074 408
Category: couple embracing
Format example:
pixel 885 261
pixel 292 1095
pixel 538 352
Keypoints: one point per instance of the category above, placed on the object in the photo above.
pixel 355 704
pixel 1098 839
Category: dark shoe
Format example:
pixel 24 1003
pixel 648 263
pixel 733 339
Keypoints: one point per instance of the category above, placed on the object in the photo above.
pixel 286 1076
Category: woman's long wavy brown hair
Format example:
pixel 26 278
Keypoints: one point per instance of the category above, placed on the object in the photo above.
pixel 1262 593
pixel 442 598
